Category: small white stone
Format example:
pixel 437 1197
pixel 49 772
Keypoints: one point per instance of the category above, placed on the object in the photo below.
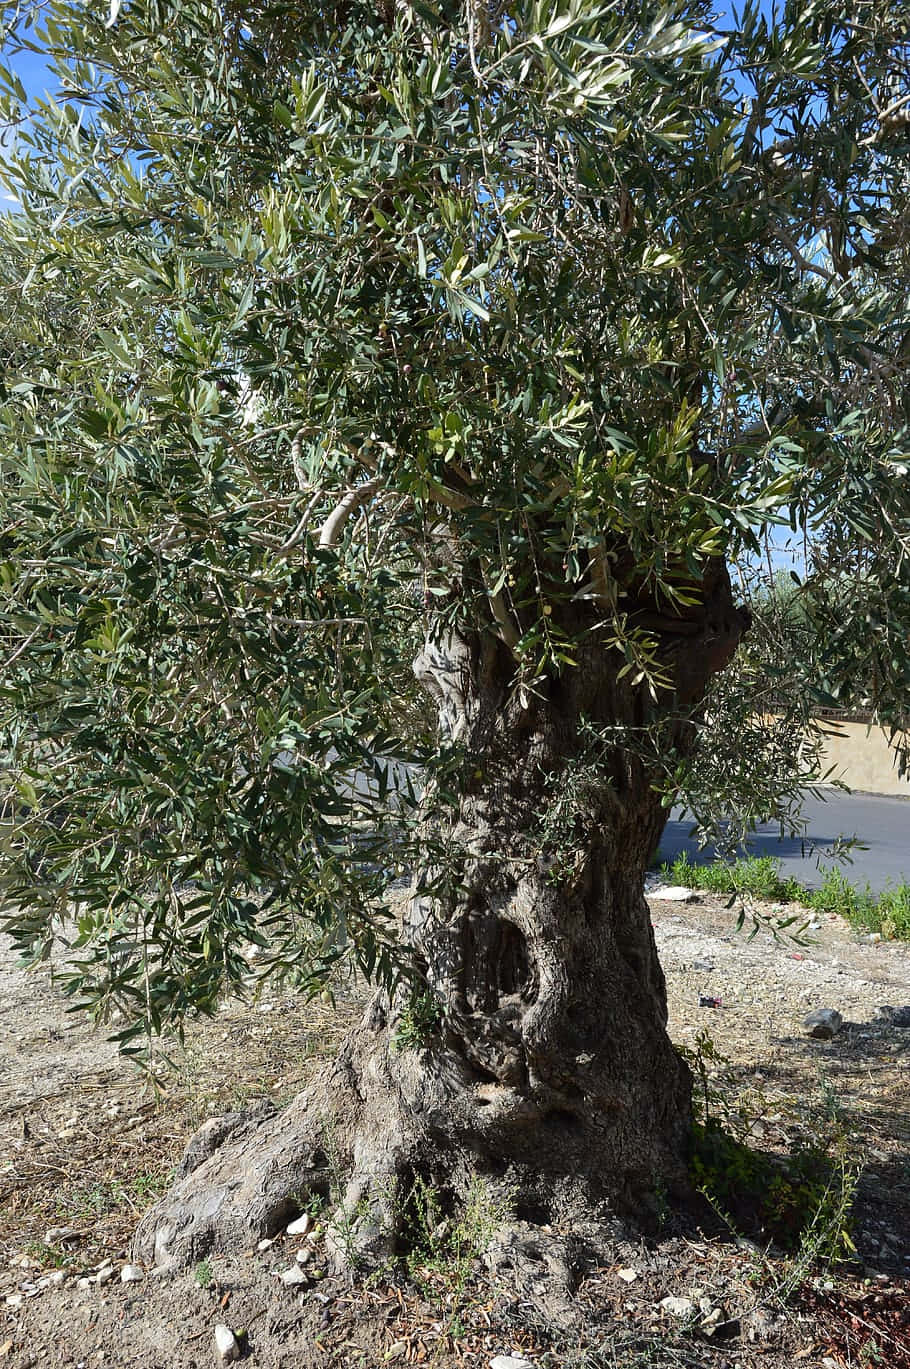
pixel 295 1275
pixel 302 1256
pixel 823 1023
pixel 678 1307
pixel 627 1275
pixel 131 1273
pixel 300 1225
pixel 14 1300
pixel 510 1362
pixel 57 1278
pixel 673 893
pixel 55 1234
pixel 105 1274
pixel 226 1344
pixel 85 1283
pixel 265 1244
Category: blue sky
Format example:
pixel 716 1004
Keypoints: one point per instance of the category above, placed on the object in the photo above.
pixel 28 66
pixel 36 78
pixel 31 71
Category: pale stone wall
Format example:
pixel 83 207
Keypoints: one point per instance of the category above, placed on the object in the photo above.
pixel 862 758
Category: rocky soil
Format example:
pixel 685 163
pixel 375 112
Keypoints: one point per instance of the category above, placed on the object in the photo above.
pixel 83 1150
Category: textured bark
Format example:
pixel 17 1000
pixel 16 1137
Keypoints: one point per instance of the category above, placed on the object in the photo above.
pixel 547 1069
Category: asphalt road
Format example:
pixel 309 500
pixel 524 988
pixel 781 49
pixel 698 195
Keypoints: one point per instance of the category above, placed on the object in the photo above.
pixel 881 826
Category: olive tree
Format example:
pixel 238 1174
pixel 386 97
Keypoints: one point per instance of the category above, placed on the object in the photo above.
pixel 478 340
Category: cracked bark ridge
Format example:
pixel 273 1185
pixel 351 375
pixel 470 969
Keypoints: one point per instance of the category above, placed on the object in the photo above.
pixel 549 1075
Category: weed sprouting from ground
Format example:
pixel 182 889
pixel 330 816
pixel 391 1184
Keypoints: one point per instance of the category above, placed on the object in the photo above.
pixel 45 1256
pixel 448 1246
pixel 838 895
pixel 203 1274
pixel 801 1201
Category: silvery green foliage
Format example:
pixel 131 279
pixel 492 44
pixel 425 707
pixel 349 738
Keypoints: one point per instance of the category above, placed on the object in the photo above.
pixel 328 327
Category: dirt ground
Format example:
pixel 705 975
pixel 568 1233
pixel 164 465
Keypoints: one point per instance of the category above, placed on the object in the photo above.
pixel 84 1149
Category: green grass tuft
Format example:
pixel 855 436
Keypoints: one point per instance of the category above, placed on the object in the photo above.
pixel 760 877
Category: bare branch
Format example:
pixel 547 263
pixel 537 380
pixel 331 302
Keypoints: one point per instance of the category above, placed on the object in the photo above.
pixel 355 498
pixel 297 458
pixel 799 258
pixel 448 498
pixel 601 579
pixel 508 630
pixel 287 547
pixel 23 646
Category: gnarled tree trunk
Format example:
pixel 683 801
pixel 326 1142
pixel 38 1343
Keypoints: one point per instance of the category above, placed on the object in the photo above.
pixel 544 1066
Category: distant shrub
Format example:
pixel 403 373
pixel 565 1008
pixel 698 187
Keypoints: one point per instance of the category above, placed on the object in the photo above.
pixel 838 895
pixel 894 913
pixel 760 877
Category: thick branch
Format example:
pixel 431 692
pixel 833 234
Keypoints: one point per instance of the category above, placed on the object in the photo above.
pixel 333 526
pixel 449 498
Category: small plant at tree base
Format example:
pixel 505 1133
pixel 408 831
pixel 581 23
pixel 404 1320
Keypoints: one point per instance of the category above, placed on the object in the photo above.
pixel 716 1100
pixel 801 1201
pixel 443 1247
pixel 97 1199
pixel 146 1186
pixel 313 1202
pixel 662 1208
pixel 826 1237
pixel 315 1205
pixel 422 1017
pixel 203 1274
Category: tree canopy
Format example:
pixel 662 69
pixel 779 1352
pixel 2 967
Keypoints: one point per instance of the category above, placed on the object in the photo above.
pixel 327 329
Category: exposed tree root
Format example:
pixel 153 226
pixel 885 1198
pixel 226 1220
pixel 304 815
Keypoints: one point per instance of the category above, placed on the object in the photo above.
pixel 246 1175
pixel 381 1126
